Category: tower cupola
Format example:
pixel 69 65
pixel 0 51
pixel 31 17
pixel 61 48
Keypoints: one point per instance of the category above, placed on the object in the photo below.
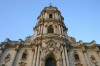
pixel 50 13
pixel 50 21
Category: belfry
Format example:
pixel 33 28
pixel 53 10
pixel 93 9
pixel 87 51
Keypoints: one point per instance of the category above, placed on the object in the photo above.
pixel 50 45
pixel 50 34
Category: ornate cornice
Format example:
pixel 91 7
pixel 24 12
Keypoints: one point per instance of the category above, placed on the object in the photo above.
pixel 91 46
pixel 78 46
pixel 50 36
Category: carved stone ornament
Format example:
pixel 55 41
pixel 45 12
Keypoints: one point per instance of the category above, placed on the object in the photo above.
pixel 46 55
pixel 7 58
pixel 24 55
pixel 51 43
pixel 93 59
pixel 51 50
pixel 72 40
pixel 22 64
pixel 78 64
pixel 51 46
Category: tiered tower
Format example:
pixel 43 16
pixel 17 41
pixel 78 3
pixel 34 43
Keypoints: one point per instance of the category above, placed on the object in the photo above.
pixel 51 38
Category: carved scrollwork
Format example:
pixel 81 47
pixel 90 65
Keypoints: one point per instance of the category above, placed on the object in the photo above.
pixel 7 58
pixel 93 59
pixel 24 55
pixel 51 46
pixel 50 50
pixel 51 43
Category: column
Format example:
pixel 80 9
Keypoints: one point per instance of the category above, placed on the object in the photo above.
pixel 43 15
pixel 63 57
pixel 66 55
pixel 16 58
pixel 38 55
pixel 45 29
pixel 62 30
pixel 37 30
pixel 41 29
pixel 54 28
pixel 59 30
pixel 35 54
pixel 87 60
pixel 59 62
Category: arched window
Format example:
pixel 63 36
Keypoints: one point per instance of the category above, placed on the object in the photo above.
pixel 76 56
pixel 50 15
pixel 24 56
pixel 50 29
pixel 50 62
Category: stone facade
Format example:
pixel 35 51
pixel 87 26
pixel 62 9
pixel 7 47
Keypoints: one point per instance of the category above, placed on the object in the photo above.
pixel 49 46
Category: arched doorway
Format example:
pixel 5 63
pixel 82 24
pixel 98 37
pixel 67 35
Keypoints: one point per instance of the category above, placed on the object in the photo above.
pixel 50 62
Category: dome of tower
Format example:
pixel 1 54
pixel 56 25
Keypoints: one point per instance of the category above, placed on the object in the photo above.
pixel 51 12
pixel 50 8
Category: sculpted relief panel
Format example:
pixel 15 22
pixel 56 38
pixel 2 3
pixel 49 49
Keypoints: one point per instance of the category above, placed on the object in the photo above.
pixel 51 51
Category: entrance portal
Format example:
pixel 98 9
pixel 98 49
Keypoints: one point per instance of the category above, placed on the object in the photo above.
pixel 50 62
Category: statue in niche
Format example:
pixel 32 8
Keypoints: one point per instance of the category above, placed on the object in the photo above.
pixel 93 60
pixel 7 58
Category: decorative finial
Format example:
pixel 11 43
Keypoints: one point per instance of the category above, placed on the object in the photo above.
pixel 50 4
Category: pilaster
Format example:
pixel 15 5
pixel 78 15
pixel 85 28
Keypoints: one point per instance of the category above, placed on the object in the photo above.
pixel 35 54
pixel 63 57
pixel 38 55
pixel 66 55
pixel 87 60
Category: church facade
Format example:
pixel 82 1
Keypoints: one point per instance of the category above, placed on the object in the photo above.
pixel 50 45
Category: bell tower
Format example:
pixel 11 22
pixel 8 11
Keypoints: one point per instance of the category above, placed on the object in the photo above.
pixel 50 21
pixel 50 37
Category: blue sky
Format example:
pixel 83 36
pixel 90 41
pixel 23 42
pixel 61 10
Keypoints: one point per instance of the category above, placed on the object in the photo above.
pixel 18 17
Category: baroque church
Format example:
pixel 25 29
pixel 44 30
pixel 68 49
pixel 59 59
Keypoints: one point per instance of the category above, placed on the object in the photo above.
pixel 50 45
